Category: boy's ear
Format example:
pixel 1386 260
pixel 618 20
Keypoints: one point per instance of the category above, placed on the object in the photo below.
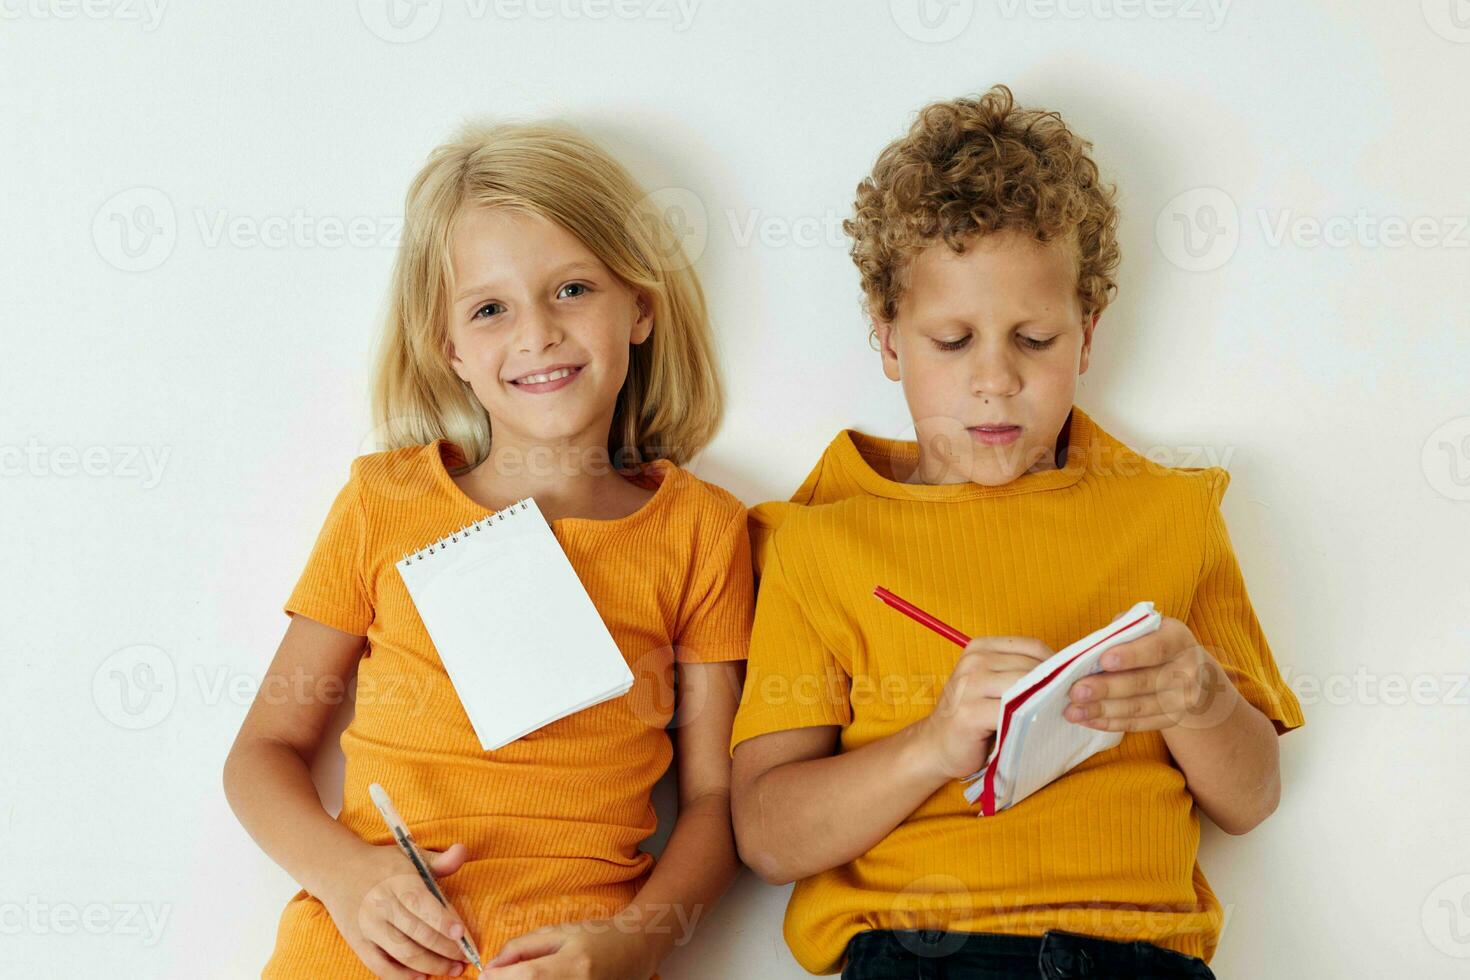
pixel 887 335
pixel 1089 324
pixel 643 310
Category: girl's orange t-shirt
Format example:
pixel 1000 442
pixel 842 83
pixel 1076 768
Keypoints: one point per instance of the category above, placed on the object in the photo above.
pixel 553 821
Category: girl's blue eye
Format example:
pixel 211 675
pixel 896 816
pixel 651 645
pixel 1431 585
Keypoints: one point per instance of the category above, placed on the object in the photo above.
pixel 952 344
pixel 573 285
pixel 481 310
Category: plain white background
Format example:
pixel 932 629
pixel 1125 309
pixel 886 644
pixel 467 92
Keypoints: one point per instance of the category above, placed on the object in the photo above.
pixel 197 219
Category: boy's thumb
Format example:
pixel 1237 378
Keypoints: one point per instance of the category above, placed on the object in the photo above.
pixel 444 863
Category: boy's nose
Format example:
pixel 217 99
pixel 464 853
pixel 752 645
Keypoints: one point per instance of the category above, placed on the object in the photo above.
pixel 995 376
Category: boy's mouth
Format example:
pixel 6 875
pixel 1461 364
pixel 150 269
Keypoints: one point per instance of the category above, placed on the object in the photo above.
pixel 995 435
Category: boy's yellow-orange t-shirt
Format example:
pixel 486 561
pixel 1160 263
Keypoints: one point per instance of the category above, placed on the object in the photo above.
pixel 1109 849
pixel 553 821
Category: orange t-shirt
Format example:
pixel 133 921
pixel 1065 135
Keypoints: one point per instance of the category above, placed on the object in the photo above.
pixel 553 821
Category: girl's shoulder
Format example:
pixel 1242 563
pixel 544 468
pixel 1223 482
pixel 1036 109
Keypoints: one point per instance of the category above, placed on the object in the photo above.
pixel 692 499
pixel 394 479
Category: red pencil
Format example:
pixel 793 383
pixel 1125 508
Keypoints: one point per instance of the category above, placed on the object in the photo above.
pixel 920 616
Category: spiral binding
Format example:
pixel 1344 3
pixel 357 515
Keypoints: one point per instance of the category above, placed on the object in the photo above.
pixel 465 532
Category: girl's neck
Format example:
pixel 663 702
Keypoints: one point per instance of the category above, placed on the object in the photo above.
pixel 570 478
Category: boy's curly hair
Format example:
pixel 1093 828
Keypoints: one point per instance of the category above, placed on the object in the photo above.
pixel 973 166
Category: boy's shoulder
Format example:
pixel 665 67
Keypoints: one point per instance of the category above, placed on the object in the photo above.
pixel 1125 479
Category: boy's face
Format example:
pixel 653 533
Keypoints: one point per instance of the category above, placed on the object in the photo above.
pixel 988 346
pixel 539 327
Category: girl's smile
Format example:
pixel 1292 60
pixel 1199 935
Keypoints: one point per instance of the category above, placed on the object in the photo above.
pixel 553 378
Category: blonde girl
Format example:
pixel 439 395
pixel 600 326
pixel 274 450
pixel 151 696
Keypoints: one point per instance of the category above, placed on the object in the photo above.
pixel 546 338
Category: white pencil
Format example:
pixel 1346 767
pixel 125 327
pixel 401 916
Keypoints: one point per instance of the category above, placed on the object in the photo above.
pixel 405 841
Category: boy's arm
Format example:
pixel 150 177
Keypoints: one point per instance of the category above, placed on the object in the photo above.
pixel 1232 768
pixel 800 810
pixel 1225 746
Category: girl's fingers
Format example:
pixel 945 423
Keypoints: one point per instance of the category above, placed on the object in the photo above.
pixel 528 947
pixel 440 920
pixel 383 965
pixel 408 951
pixel 415 915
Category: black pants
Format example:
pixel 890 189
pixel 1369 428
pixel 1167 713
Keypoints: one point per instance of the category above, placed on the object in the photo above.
pixel 937 955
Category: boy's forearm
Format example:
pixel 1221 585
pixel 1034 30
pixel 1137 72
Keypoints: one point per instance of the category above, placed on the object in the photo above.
pixel 816 814
pixel 269 787
pixel 1232 768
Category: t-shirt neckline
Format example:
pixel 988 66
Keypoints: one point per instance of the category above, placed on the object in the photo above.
pixel 660 470
pixel 854 451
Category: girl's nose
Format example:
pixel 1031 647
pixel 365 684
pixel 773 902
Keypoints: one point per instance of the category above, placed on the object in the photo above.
pixel 538 332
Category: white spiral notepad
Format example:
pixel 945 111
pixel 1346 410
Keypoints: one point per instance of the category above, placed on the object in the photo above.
pixel 519 636
pixel 1035 743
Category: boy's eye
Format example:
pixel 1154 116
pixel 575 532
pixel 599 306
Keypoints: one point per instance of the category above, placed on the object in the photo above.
pixel 1034 343
pixel 573 285
pixel 480 313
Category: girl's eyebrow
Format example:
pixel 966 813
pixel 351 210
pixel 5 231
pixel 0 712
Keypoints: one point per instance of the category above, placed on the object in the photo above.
pixel 561 270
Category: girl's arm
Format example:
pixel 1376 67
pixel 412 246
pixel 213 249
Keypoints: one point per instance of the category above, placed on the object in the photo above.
pixel 698 863
pixel 267 774
pixel 383 911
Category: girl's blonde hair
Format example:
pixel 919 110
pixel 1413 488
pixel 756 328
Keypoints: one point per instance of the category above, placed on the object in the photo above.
pixel 671 403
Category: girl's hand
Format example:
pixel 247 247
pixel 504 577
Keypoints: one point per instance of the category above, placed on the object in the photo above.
pixel 962 724
pixel 390 918
pixel 1154 683
pixel 593 949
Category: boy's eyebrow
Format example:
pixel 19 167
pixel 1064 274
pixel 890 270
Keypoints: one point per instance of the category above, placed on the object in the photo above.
pixel 573 266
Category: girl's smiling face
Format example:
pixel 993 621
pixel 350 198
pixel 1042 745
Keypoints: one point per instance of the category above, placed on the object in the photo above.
pixel 540 328
pixel 988 346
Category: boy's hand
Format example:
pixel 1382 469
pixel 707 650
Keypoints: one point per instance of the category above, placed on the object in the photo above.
pixel 1154 683
pixel 959 730
pixel 391 920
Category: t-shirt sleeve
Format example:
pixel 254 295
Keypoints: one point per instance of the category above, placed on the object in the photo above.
pixel 1222 619
pixel 333 587
pixel 792 680
pixel 717 626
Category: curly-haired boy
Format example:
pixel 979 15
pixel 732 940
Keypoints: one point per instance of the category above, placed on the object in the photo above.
pixel 987 249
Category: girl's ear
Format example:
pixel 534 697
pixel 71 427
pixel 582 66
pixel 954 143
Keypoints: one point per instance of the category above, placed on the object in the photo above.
pixel 452 359
pixel 643 310
pixel 887 336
